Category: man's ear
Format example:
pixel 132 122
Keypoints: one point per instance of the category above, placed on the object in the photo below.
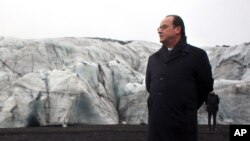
pixel 178 29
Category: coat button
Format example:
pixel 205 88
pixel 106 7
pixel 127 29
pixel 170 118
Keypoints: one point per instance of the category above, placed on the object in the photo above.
pixel 165 64
pixel 159 93
pixel 161 78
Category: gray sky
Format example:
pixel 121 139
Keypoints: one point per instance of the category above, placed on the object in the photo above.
pixel 208 22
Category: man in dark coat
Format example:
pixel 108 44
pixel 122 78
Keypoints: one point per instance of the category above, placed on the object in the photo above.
pixel 212 103
pixel 178 79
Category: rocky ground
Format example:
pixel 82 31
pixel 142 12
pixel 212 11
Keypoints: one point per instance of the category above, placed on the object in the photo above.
pixel 98 133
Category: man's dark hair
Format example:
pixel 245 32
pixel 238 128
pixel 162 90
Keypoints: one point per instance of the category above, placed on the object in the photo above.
pixel 178 22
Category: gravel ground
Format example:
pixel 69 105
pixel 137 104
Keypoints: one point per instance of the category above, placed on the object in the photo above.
pixel 98 133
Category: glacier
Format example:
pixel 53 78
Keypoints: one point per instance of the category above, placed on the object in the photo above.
pixel 64 81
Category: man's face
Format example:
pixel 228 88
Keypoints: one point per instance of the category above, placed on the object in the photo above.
pixel 167 31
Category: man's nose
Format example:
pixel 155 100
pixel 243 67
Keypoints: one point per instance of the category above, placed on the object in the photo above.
pixel 159 31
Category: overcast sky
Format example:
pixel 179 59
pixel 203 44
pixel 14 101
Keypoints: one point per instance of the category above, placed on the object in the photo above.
pixel 208 22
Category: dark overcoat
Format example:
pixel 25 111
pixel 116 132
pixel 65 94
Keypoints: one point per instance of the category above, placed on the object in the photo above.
pixel 212 102
pixel 178 83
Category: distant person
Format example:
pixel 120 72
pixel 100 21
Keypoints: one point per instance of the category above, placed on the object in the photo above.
pixel 212 103
pixel 178 79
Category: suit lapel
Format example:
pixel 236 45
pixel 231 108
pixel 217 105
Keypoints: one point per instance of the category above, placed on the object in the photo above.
pixel 164 56
pixel 180 50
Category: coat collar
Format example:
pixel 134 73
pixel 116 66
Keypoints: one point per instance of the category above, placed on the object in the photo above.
pixel 180 50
